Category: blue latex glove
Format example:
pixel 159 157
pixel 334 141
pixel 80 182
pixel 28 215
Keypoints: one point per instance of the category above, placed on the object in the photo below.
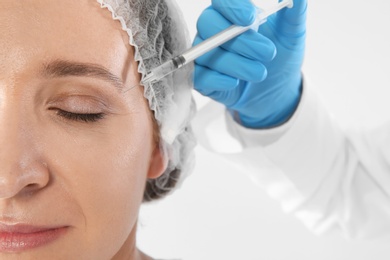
pixel 258 74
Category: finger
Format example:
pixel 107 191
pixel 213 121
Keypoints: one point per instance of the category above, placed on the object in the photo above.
pixel 250 44
pixel 210 80
pixel 239 12
pixel 228 98
pixel 232 64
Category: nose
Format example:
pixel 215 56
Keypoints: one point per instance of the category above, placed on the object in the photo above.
pixel 22 170
pixel 22 178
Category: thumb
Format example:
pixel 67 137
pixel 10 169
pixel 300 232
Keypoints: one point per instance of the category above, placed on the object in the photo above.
pixel 292 21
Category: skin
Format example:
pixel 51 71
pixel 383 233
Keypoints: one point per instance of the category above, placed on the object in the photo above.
pixel 56 171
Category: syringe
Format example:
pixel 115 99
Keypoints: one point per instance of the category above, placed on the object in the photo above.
pixel 195 52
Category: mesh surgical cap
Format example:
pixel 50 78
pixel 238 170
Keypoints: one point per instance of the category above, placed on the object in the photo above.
pixel 158 32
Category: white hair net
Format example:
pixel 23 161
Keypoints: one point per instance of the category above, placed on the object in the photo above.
pixel 158 32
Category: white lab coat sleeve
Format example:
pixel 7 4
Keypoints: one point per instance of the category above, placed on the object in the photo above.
pixel 329 178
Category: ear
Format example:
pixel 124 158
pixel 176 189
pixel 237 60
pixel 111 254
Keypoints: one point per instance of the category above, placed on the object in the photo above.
pixel 158 163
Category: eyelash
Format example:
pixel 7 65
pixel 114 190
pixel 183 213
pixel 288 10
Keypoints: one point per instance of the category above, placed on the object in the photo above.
pixel 85 118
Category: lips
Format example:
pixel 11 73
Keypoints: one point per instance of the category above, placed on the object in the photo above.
pixel 20 237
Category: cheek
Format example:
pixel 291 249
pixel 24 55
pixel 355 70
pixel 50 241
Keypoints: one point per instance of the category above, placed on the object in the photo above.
pixel 104 171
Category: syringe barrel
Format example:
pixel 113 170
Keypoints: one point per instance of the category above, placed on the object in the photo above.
pixel 213 42
pixel 209 44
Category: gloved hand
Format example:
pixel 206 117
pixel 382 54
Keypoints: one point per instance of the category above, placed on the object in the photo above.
pixel 257 75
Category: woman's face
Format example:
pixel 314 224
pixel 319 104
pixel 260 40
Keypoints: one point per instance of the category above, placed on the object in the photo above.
pixel 75 150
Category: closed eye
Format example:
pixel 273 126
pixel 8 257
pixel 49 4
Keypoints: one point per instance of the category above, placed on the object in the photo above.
pixel 85 118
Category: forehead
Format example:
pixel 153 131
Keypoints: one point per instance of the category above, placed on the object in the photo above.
pixel 36 30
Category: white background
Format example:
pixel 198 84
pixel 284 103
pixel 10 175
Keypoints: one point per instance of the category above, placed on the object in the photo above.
pixel 219 214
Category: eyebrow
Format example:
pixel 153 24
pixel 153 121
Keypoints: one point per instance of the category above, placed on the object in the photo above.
pixel 64 68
